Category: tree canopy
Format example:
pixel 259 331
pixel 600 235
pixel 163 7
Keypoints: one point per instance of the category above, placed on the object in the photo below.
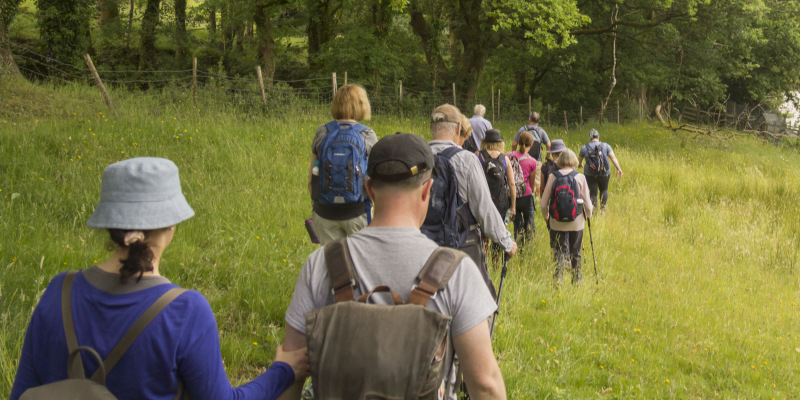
pixel 565 52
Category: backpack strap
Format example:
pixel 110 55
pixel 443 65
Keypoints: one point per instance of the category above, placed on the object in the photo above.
pixel 130 337
pixel 484 156
pixel 76 368
pixel 434 275
pixel 341 270
pixel 450 151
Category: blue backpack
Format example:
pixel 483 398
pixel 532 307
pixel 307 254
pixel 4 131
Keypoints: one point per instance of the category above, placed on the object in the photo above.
pixel 342 164
pixel 448 219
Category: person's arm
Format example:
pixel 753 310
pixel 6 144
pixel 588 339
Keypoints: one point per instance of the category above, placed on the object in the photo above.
pixel 545 201
pixel 613 159
pixel 314 158
pixel 293 340
pixel 512 188
pixel 587 200
pixel 580 162
pixel 476 359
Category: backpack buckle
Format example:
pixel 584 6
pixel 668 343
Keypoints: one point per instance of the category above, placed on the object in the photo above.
pixel 433 295
pixel 353 284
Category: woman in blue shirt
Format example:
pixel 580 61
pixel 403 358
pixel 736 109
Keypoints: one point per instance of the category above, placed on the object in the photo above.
pixel 179 351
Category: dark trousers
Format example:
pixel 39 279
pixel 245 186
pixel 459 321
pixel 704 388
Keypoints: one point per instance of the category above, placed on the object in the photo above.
pixel 568 247
pixel 524 225
pixel 473 246
pixel 598 183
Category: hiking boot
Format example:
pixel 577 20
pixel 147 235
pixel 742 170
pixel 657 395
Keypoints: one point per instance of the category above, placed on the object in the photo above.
pixel 577 277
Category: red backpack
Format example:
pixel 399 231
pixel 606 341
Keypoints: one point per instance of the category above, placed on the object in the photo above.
pixel 564 198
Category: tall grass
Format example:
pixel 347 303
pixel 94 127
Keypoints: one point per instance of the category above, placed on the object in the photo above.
pixel 697 254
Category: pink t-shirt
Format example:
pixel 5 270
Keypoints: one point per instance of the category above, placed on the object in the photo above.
pixel 528 165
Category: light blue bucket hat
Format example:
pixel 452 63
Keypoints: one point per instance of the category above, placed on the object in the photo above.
pixel 140 193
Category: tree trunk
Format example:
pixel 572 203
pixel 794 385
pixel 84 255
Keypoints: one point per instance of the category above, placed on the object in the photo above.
pixel 131 8
pixel 422 29
pixel 8 10
pixel 467 26
pixel 108 11
pixel 149 24
pixel 613 61
pixel 180 29
pixel 212 21
pixel 381 18
pixel 266 41
pixel 319 28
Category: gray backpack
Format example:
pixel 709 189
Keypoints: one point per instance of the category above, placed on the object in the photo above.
pixel 362 351
pixel 77 386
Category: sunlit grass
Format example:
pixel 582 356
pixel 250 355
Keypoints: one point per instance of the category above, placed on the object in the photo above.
pixel 697 254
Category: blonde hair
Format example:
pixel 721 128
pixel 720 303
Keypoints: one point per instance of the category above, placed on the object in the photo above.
pixel 567 159
pixel 466 128
pixel 351 102
pixel 525 140
pixel 493 146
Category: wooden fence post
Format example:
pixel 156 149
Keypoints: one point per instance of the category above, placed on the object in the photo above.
pixel 345 77
pixel 548 113
pixel 333 79
pixel 401 98
pixel 98 81
pixel 566 123
pixel 602 111
pixel 261 85
pixel 498 103
pixel 493 113
pixel 617 111
pixel 529 105
pixel 194 80
pixel 580 122
pixel 454 94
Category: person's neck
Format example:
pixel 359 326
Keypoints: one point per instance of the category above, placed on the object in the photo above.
pixel 395 212
pixel 114 263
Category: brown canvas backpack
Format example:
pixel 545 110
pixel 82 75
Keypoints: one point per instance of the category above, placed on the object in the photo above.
pixel 77 386
pixel 363 351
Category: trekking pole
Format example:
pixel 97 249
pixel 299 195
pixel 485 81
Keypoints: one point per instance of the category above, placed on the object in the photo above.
pixel 506 257
pixel 591 242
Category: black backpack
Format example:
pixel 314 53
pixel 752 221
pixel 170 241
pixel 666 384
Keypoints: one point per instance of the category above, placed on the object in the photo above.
pixel 536 149
pixel 78 386
pixel 469 144
pixel 495 171
pixel 448 219
pixel 596 160
pixel 564 197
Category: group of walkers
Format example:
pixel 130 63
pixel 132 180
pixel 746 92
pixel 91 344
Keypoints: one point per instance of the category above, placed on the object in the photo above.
pixel 395 302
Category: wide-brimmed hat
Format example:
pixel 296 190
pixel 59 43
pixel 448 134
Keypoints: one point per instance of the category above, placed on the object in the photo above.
pixel 446 113
pixel 140 193
pixel 493 136
pixel 556 146
pixel 399 156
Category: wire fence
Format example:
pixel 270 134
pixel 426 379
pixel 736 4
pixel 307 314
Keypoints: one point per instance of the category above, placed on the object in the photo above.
pixel 212 88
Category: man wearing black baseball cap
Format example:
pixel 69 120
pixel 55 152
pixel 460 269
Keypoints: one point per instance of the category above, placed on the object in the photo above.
pixel 391 251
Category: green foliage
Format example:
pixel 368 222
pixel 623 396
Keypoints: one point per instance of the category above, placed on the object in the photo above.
pixel 64 28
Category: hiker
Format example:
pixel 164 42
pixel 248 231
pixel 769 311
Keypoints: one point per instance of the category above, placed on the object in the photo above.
pixel 559 206
pixel 479 125
pixel 539 138
pixel 475 215
pixel 557 146
pixel 179 351
pixel 499 176
pixel 597 170
pixel 391 251
pixel 339 201
pixel 524 225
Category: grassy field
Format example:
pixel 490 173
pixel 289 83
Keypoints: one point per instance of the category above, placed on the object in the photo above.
pixel 697 254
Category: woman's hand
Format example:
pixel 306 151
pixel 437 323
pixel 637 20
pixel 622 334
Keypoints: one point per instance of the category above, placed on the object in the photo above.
pixel 297 359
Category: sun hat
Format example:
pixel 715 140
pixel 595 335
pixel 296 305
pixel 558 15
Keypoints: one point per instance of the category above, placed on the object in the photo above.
pixel 593 134
pixel 140 193
pixel 493 136
pixel 399 156
pixel 556 146
pixel 446 113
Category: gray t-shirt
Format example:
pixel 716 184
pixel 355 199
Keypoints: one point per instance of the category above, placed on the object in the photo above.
pixel 339 212
pixel 604 148
pixel 542 136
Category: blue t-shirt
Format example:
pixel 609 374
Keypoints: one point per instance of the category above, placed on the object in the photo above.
pixel 180 344
pixel 604 148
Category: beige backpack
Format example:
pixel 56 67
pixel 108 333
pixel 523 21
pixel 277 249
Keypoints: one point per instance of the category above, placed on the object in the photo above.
pixel 363 351
pixel 77 386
